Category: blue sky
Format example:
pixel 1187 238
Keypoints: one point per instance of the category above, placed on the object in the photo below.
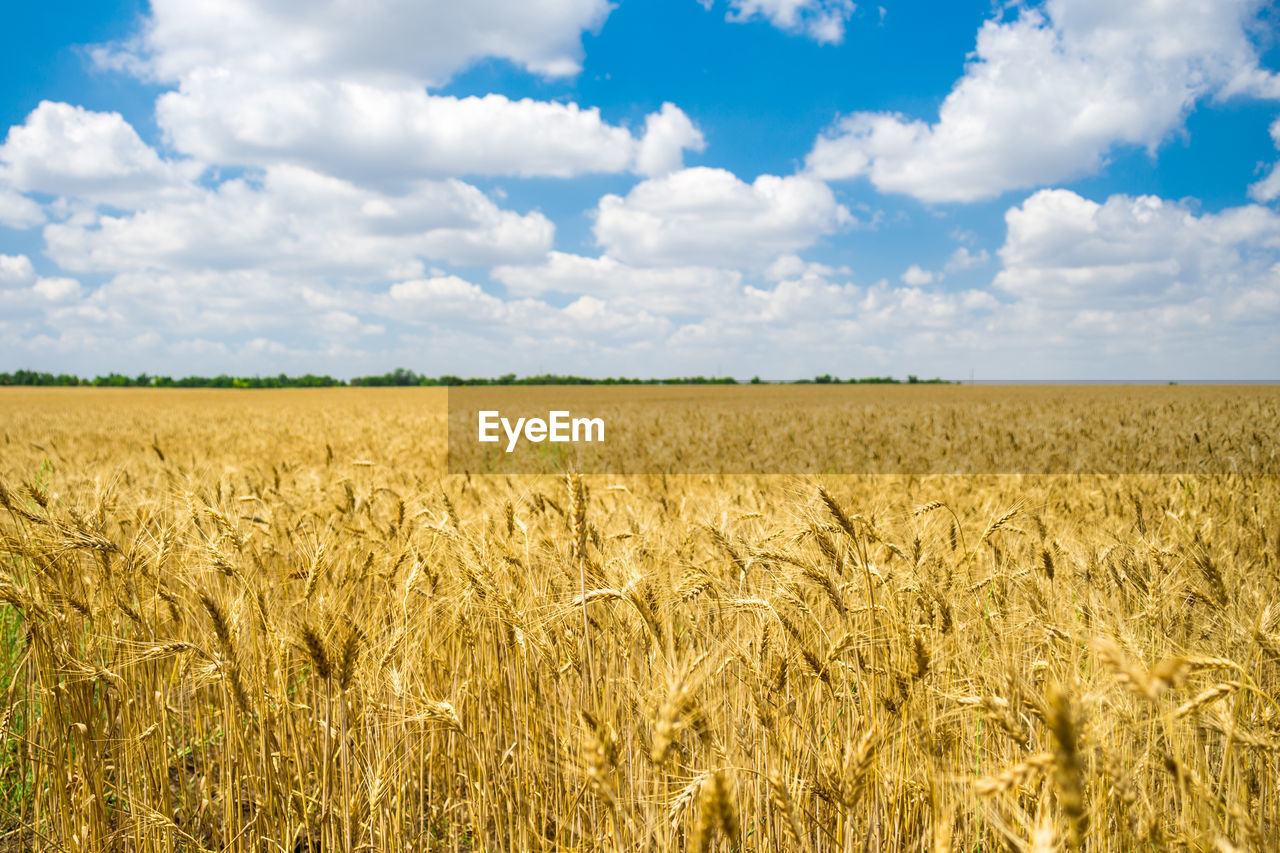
pixel 1067 189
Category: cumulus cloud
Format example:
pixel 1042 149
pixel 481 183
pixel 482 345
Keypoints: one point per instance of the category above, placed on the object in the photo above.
pixel 821 20
pixel 1149 287
pixel 962 259
pixel 16 210
pixel 667 135
pixel 365 132
pixel 57 289
pixel 1049 94
pixel 847 329
pixel 297 220
pixel 806 298
pixel 453 300
pixel 230 305
pixel 1268 189
pixel 1142 254
pixel 16 270
pixel 708 217
pixel 793 266
pixel 452 297
pixel 843 323
pixel 65 150
pixel 24 294
pixel 346 92
pixel 245 319
pixel 916 276
pixel 376 41
pixel 684 290
pixel 886 308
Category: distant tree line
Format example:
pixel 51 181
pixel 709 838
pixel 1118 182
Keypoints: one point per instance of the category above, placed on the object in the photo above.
pixel 399 378
pixel 912 379
pixel 402 377
pixel 146 380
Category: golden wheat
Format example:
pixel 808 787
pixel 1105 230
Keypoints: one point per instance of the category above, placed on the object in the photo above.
pixel 272 621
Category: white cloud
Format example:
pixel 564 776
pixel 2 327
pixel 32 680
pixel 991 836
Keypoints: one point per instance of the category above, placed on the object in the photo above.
pixel 915 276
pixel 809 299
pixel 376 133
pixel 847 329
pixel 602 322
pixel 821 20
pixel 211 305
pixel 1128 288
pixel 1142 255
pixel 24 294
pixel 959 260
pixel 376 41
pixel 667 135
pixel 735 319
pixel 16 270
pixel 449 297
pixel 344 91
pixel 1050 94
pixel 300 221
pixel 252 320
pixel 1268 189
pixel 795 267
pixel 707 217
pixel 963 259
pixel 885 308
pixel 661 290
pixel 17 211
pixel 453 301
pixel 245 319
pixel 59 289
pixel 64 150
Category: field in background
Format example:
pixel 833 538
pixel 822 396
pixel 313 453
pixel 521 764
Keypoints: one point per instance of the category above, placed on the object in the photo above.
pixel 268 621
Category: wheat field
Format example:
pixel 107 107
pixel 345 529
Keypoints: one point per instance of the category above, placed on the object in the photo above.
pixel 272 621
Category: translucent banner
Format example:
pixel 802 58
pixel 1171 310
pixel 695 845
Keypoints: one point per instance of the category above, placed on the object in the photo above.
pixel 903 429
